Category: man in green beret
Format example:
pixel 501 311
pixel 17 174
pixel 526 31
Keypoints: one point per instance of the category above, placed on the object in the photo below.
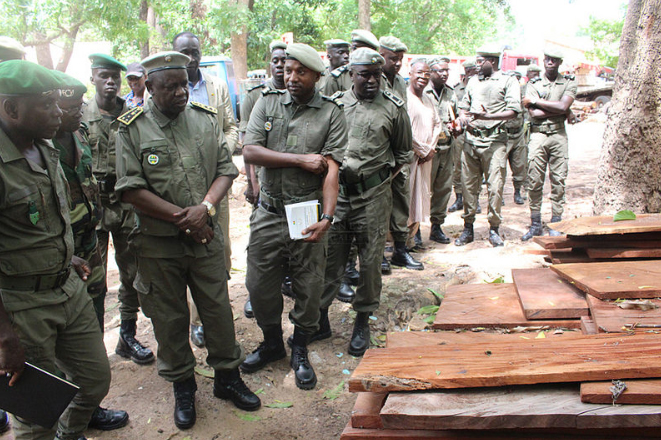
pixel 100 115
pixel 548 101
pixel 534 71
pixel 337 53
pixel 339 79
pixel 365 198
pixel 491 98
pixel 298 136
pixel 46 315
pixel 174 167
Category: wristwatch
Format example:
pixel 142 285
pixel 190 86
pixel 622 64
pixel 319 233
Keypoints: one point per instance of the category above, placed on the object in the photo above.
pixel 330 218
pixel 211 210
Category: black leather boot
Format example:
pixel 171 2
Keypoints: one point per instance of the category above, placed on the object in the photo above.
pixel 324 331
pixel 517 196
pixel 553 232
pixel 247 310
pixel 270 350
pixel 286 288
pixel 4 421
pixel 402 258
pixel 436 234
pixel 184 403
pixel 360 339
pixel 228 385
pixel 346 293
pixel 129 347
pixel 494 237
pixel 466 235
pixel 417 241
pixel 108 419
pixel 304 374
pixel 458 204
pixel 197 335
pixel 535 226
pixel 385 266
pixel 351 274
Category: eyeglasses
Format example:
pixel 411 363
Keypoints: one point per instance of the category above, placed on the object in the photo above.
pixel 423 75
pixel 71 111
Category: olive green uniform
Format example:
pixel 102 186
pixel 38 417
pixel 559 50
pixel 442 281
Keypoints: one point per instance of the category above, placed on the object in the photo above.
pixel 379 140
pixel 250 100
pixel 279 124
pixel 178 160
pixel 401 192
pixel 85 213
pixel 46 300
pixel 517 150
pixel 458 145
pixel 485 148
pixel 337 80
pixel 118 219
pixel 442 162
pixel 548 144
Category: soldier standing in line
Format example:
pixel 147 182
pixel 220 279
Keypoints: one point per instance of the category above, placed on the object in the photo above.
pixel 100 115
pixel 298 136
pixel 517 154
pixel 365 196
pixel 491 98
pixel 173 166
pixel 46 315
pixel 548 100
pixel 337 53
pixel 339 79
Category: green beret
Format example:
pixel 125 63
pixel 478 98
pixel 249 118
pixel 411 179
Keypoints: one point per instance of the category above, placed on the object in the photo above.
pixel 554 52
pixel 469 64
pixel 366 56
pixel 417 60
pixel 365 37
pixel 70 87
pixel 10 49
pixel 438 60
pixel 490 50
pixel 305 55
pixel 393 44
pixel 20 77
pixel 100 60
pixel 277 44
pixel 336 42
pixel 135 69
pixel 165 61
pixel 534 68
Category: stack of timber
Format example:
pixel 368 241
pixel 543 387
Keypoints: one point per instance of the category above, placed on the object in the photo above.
pixel 564 352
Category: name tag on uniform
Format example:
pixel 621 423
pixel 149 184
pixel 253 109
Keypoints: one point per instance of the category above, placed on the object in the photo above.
pixel 292 140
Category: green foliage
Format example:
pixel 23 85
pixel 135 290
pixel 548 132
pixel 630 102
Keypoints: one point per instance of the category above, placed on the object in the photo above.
pixel 605 35
pixel 625 214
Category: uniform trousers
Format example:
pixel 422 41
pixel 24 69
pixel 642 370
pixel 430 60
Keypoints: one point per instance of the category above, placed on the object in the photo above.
pixel 441 184
pixel 490 162
pixel 552 151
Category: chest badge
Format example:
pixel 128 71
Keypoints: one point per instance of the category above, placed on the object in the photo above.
pixel 268 126
pixel 152 159
pixel 33 214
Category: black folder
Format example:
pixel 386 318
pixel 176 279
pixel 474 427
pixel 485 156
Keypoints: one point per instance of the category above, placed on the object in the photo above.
pixel 38 397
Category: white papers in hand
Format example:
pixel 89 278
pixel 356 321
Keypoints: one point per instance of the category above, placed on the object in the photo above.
pixel 300 216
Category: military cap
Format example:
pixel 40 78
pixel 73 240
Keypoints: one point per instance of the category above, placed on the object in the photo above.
pixel 277 44
pixel 437 60
pixel 70 87
pixel 165 61
pixel 336 42
pixel 100 60
pixel 469 64
pixel 20 77
pixel 305 55
pixel 393 44
pixel 490 50
pixel 10 49
pixel 554 52
pixel 366 56
pixel 419 60
pixel 135 69
pixel 365 37
pixel 534 68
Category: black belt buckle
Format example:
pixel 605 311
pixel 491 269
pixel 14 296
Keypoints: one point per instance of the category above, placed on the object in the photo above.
pixel 270 208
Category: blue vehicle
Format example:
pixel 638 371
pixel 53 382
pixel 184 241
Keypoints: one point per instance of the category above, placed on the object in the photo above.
pixel 222 67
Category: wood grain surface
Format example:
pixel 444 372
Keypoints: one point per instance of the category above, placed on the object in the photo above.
pixel 545 295
pixel 603 225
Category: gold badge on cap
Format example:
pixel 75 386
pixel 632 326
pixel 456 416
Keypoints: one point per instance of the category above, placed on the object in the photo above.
pixel 152 159
pixel 168 59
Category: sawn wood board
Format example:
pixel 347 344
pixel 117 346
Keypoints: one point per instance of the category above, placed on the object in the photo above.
pixel 544 295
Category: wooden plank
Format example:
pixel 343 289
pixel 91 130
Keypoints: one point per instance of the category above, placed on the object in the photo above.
pixel 487 364
pixel 638 392
pixel 544 295
pixel 603 225
pixel 419 339
pixel 470 306
pixel 567 257
pixel 608 317
pixel 526 407
pixel 588 327
pixel 638 241
pixel 629 252
pixel 366 410
pixel 612 280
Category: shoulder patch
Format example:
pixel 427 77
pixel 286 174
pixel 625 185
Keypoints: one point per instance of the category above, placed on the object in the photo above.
pixel 398 101
pixel 534 80
pixel 130 115
pixel 84 128
pixel 258 86
pixel 335 98
pixel 570 77
pixel 339 71
pixel 206 108
pixel 270 91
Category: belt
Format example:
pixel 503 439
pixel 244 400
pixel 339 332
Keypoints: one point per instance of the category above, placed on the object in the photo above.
pixel 547 128
pixel 513 130
pixel 483 133
pixel 37 282
pixel 376 179
pixel 107 186
pixel 270 208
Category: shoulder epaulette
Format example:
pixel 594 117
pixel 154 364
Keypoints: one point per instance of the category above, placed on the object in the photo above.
pixel 570 77
pixel 206 108
pixel 398 101
pixel 258 86
pixel 84 128
pixel 449 87
pixel 335 98
pixel 339 71
pixel 130 115
pixel 270 91
pixel 534 80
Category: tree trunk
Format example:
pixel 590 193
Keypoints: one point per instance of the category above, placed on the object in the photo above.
pixel 364 21
pixel 239 45
pixel 630 166
pixel 67 49
pixel 144 15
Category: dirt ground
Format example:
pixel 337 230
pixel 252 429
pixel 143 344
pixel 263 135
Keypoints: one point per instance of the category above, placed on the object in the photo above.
pixel 323 412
